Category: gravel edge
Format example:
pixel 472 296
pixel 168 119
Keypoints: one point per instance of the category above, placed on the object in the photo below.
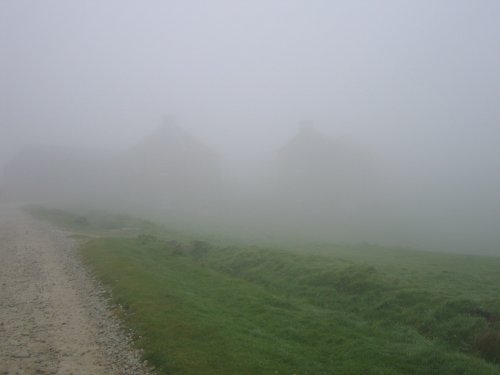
pixel 113 338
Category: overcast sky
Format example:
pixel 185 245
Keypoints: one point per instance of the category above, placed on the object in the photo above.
pixel 397 75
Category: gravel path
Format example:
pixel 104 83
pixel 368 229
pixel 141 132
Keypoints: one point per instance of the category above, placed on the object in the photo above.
pixel 53 316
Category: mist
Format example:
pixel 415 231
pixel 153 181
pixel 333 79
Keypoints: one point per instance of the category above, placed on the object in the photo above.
pixel 343 121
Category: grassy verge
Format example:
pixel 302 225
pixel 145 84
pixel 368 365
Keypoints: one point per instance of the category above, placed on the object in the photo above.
pixel 201 309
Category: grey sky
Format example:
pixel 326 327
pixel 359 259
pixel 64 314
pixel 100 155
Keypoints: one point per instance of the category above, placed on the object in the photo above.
pixel 396 72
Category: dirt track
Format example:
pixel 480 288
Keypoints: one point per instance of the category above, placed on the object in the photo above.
pixel 53 317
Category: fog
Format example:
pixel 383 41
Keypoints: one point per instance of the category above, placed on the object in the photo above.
pixel 343 121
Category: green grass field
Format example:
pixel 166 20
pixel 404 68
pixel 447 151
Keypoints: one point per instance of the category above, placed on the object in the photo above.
pixel 200 308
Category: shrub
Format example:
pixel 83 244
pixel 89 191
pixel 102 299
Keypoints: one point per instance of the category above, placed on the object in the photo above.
pixel 488 345
pixel 146 238
pixel 81 220
pixel 199 249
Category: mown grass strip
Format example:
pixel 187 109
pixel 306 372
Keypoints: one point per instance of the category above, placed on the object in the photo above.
pixel 264 313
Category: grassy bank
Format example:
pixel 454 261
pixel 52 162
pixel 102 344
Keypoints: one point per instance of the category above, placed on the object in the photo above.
pixel 203 309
